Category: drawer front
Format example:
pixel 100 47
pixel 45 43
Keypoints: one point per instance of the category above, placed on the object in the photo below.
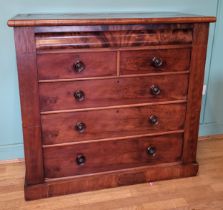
pixel 80 126
pixel 115 36
pixel 109 92
pixel 154 61
pixel 76 65
pixel 110 155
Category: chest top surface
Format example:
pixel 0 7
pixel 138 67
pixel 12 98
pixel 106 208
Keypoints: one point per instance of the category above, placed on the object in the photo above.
pixel 105 18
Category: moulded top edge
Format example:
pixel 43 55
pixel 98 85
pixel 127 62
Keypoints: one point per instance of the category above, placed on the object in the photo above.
pixel 105 19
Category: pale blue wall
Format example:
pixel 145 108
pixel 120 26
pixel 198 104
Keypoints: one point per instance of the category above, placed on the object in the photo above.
pixel 213 116
pixel 10 120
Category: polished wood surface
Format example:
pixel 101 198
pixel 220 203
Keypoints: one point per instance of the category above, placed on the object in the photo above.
pixel 105 18
pixel 62 66
pixel 44 30
pixel 60 128
pixel 122 36
pixel 28 87
pixel 59 65
pixel 112 104
pixel 204 191
pixel 144 61
pixel 112 155
pixel 110 92
pixel 110 179
pixel 195 91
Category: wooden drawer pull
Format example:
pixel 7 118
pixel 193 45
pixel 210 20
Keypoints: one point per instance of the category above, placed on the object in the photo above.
pixel 157 63
pixel 79 95
pixel 151 151
pixel 80 159
pixel 79 66
pixel 80 127
pixel 155 90
pixel 153 119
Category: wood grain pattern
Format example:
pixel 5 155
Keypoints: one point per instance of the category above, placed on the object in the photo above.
pixel 111 179
pixel 141 61
pixel 113 39
pixel 200 40
pixel 27 74
pixel 28 86
pixel 163 195
pixel 116 138
pixel 115 77
pixel 61 66
pixel 80 50
pixel 112 155
pixel 106 18
pixel 60 128
pixel 122 91
pixel 110 27
pixel 114 101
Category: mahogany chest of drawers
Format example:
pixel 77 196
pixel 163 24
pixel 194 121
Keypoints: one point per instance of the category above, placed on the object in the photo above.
pixel 109 100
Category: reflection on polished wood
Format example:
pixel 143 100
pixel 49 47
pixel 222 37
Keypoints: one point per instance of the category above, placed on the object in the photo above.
pixel 203 192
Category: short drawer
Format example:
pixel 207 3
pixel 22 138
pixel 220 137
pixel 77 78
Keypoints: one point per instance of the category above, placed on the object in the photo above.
pixel 110 92
pixel 87 158
pixel 154 61
pixel 111 123
pixel 76 65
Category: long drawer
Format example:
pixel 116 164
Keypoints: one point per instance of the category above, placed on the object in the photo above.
pixel 110 155
pixel 100 124
pixel 115 36
pixel 110 92
pixel 76 65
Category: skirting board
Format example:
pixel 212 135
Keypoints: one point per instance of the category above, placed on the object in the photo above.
pixel 12 152
pixel 210 129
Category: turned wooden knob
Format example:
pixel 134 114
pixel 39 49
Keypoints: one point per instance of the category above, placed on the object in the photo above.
pixel 80 127
pixel 151 151
pixel 80 159
pixel 155 90
pixel 79 66
pixel 153 119
pixel 79 95
pixel 157 62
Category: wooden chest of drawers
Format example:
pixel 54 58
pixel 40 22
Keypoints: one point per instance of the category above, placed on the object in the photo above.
pixel 109 100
